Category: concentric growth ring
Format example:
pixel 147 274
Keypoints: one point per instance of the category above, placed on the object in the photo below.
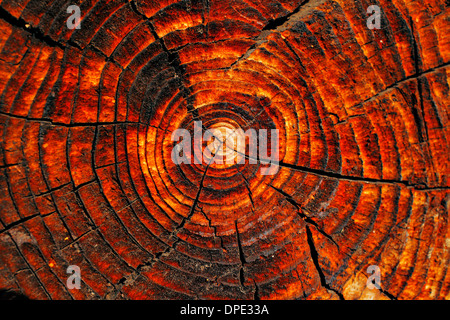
pixel 335 135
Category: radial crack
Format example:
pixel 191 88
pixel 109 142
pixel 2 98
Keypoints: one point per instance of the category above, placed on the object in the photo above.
pixel 274 24
pixel 315 258
pixel 212 227
pixel 247 185
pixel 278 25
pixel 420 121
pixel 127 280
pixel 241 257
pixel 256 292
pixel 172 58
pixel 36 32
pixel 304 216
pixel 18 222
pixel 338 176
pixel 387 294
pixel 191 213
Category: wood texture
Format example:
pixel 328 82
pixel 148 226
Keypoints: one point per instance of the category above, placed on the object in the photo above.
pixel 86 178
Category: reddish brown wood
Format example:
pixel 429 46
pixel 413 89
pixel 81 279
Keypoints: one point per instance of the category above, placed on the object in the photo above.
pixel 86 117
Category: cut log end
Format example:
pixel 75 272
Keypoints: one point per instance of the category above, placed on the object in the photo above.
pixel 335 131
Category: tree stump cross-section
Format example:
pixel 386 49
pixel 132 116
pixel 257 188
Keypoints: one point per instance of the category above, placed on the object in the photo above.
pixel 356 208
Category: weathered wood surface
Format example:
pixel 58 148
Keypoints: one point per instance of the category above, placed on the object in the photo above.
pixel 86 117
